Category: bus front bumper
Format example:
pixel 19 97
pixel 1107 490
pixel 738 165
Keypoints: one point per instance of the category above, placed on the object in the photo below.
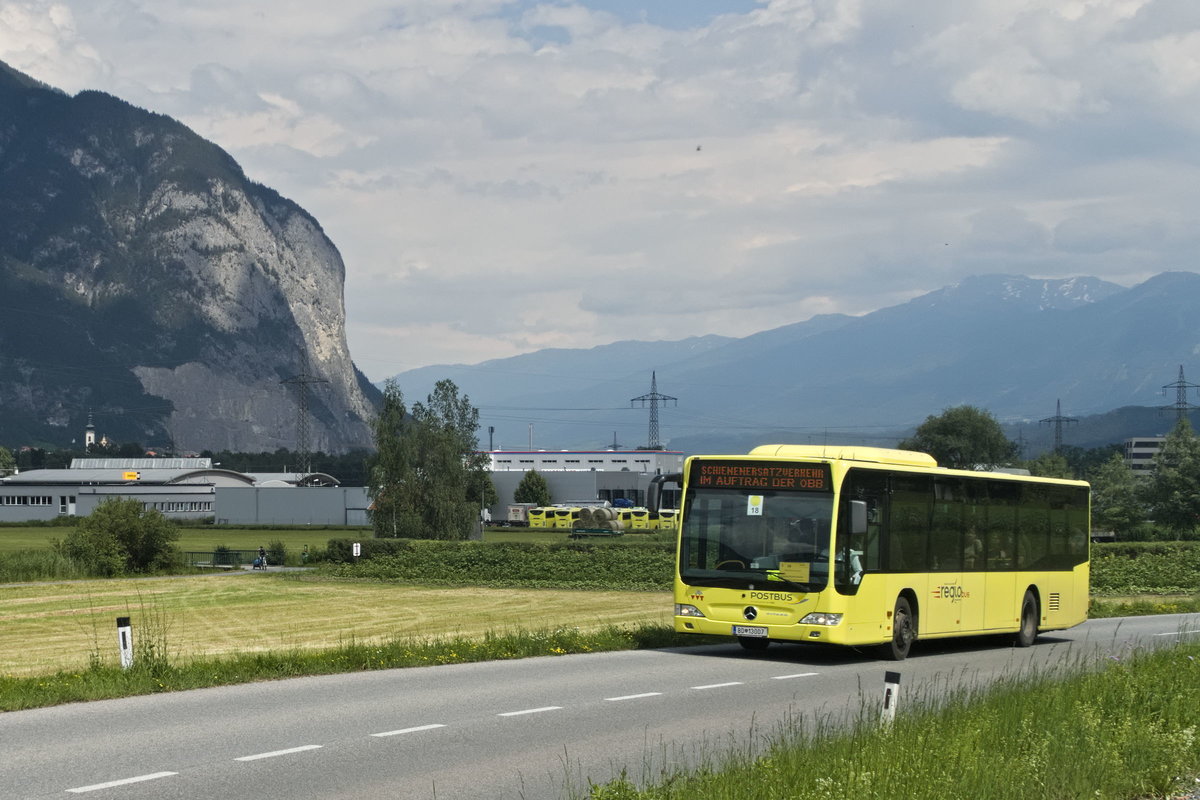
pixel 795 632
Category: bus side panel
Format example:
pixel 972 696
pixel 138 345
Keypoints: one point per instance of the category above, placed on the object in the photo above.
pixel 866 613
pixel 1001 612
pixel 942 603
pixel 869 612
pixel 974 601
pixel 1063 602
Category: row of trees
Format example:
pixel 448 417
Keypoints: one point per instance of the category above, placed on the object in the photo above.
pixel 1164 502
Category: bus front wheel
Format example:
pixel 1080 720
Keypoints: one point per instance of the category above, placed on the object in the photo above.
pixel 1029 621
pixel 904 631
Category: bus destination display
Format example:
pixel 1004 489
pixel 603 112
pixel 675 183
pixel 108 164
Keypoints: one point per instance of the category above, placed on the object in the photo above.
pixel 761 475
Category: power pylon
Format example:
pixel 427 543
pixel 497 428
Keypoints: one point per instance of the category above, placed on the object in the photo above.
pixel 654 398
pixel 1057 420
pixel 302 382
pixel 1181 406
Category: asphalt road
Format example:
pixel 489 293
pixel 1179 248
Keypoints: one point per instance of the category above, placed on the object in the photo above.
pixel 531 729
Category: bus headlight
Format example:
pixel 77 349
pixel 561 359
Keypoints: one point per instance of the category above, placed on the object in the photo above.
pixel 684 610
pixel 820 618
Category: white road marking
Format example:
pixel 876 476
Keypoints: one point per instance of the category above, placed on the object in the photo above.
pixel 529 711
pixel 122 782
pixel 634 696
pixel 274 753
pixel 797 675
pixel 718 685
pixel 409 730
pixel 1178 633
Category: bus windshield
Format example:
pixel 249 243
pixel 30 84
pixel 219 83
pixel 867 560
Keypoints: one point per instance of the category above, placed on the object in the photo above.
pixel 741 539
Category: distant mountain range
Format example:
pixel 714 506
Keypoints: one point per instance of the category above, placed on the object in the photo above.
pixel 1010 344
pixel 146 280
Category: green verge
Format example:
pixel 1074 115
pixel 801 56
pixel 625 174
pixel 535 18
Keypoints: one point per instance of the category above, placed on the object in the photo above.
pixel 154 673
pixel 1126 730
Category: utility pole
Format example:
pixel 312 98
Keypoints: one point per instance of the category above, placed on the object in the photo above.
pixel 1057 420
pixel 302 382
pixel 1021 444
pixel 1181 406
pixel 654 398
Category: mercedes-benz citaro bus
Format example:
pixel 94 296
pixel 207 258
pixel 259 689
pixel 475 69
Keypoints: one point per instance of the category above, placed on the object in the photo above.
pixel 868 546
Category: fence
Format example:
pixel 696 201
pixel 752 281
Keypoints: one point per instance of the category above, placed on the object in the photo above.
pixel 221 559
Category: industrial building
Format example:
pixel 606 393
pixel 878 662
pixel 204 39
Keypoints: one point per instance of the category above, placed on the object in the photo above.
pixel 181 488
pixel 1140 452
pixel 582 475
pixel 198 489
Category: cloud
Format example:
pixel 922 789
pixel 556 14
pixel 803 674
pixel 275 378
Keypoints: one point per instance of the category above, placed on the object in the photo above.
pixel 41 39
pixel 503 175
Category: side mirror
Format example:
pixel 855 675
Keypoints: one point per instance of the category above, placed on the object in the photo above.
pixel 858 516
pixel 654 490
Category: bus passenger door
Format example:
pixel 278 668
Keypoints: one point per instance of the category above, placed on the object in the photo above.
pixel 946 595
pixel 974 576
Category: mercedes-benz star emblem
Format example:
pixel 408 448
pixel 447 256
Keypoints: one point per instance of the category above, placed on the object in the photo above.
pixel 750 612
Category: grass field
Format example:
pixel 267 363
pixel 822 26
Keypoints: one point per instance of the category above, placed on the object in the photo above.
pixel 49 626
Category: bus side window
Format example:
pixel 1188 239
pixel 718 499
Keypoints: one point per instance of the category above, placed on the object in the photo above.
pixel 908 530
pixel 861 553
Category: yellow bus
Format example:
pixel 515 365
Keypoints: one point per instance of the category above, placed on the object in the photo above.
pixel 639 519
pixel 564 518
pixel 540 517
pixel 868 546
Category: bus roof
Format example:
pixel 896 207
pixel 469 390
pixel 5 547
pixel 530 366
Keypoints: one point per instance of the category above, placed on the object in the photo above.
pixel 880 455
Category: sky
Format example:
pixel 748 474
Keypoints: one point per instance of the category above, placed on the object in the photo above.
pixel 502 176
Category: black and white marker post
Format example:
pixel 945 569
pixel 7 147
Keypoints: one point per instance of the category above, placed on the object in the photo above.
pixel 891 688
pixel 125 641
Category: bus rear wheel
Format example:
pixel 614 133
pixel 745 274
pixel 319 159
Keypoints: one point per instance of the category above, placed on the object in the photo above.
pixel 1028 631
pixel 755 644
pixel 904 631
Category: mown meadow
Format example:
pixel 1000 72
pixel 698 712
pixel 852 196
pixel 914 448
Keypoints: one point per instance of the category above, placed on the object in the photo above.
pixel 402 602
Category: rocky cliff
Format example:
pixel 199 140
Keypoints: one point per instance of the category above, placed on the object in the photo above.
pixel 145 279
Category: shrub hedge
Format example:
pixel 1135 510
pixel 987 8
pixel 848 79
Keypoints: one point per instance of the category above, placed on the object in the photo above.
pixel 1120 568
pixel 561 565
pixel 1145 568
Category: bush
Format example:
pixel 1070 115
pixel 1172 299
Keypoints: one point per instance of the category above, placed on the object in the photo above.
pixel 563 565
pixel 276 552
pixel 120 536
pixel 1145 568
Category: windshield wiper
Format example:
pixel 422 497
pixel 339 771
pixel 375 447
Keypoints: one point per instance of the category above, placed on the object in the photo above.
pixel 796 587
pixel 742 580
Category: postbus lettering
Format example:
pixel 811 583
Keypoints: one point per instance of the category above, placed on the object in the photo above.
pixel 787 598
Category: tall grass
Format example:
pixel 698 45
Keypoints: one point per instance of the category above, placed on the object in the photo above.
pixel 155 670
pixel 20 566
pixel 1127 730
